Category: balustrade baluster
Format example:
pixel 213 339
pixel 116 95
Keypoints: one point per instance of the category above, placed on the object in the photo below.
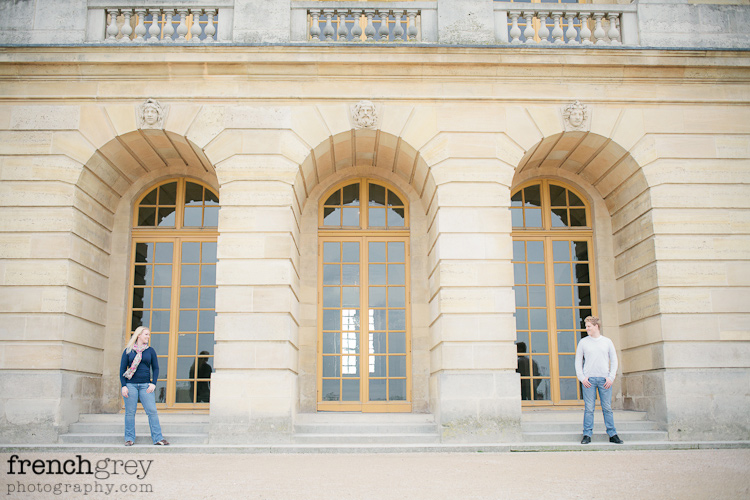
pixel 557 32
pixel 613 33
pixel 412 31
pixel 343 32
pixel 356 28
pixel 370 29
pixel 599 33
pixel 210 30
pixel 585 31
pixel 543 29
pixel 571 32
pixel 528 33
pixel 127 29
pixel 195 29
pixel 140 28
pixel 154 30
pixel 328 30
pixel 182 29
pixel 383 31
pixel 398 30
pixel 168 27
pixel 515 31
pixel 112 29
pixel 315 28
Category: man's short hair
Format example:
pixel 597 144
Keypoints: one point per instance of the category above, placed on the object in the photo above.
pixel 593 320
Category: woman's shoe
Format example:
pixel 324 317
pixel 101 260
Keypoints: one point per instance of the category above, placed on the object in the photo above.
pixel 163 442
pixel 128 443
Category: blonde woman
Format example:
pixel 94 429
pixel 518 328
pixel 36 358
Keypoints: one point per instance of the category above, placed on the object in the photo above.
pixel 139 370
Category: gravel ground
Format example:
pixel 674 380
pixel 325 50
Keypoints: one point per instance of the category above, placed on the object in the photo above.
pixel 609 475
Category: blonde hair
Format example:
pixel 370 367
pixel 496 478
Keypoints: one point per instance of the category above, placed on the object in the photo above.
pixel 594 321
pixel 134 338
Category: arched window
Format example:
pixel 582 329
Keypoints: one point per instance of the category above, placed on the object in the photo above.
pixel 554 287
pixel 364 354
pixel 174 286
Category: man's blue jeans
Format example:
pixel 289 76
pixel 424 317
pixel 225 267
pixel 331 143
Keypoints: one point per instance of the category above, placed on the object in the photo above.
pixel 589 400
pixel 136 392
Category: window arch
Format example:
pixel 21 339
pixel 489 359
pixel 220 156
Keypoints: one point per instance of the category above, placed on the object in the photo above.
pixel 364 354
pixel 173 286
pixel 554 287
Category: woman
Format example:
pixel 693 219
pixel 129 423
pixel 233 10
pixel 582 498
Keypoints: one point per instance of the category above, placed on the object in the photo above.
pixel 138 364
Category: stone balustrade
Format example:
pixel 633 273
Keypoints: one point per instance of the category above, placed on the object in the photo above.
pixel 351 22
pixel 157 24
pixel 566 24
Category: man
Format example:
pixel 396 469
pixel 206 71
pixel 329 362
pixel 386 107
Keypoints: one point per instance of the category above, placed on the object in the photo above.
pixel 596 366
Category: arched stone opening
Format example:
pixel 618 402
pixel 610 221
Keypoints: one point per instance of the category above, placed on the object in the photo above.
pixel 618 193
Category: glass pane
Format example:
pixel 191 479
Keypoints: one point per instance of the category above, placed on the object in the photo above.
pixel 186 343
pixel 189 275
pixel 541 389
pixel 207 321
pixel 376 217
pixel 377 390
pixel 539 342
pixel 518 251
pixel 559 217
pixel 351 390
pixel 538 319
pixel 516 217
pixel 522 341
pixel 168 194
pixel 209 252
pixel 377 319
pixel 396 296
pixel 350 366
pixel 351 274
pixel 536 273
pixel 541 364
pixel 377 274
pixel 537 296
pixel 351 251
pixel 562 273
pixel 394 200
pixel 396 274
pixel 397 390
pixel 193 216
pixel 211 217
pixel 160 342
pixel 350 320
pixel 350 217
pixel 396 217
pixel 567 365
pixel 565 319
pixel 331 390
pixel 561 251
pixel 376 251
pixel 332 275
pixel 193 194
pixel 396 251
pixel 331 319
pixel 139 296
pixel 378 344
pixel 331 252
pixel 191 252
pixel 580 316
pixel 162 298
pixel 208 275
pixel 334 199
pixel 575 201
pixel 517 199
pixel 331 216
pixel 535 251
pixel 519 273
pixel 581 250
pixel 161 391
pixel 208 298
pixel 188 321
pixel 563 296
pixel 533 196
pixel 150 198
pixel 183 367
pixel 351 194
pixel 557 196
pixel 522 319
pixel 533 217
pixel 568 388
pixel 520 296
pixel 582 295
pixel 331 366
pixel 377 296
pixel 331 343
pixel 350 296
pixel 397 342
pixel 397 319
pixel 163 253
pixel 210 198
pixel 331 296
pixel 144 252
pixel 582 273
pixel 397 366
pixel 378 366
pixel 146 216
pixel 526 389
pixel 577 217
pixel 206 343
pixel 188 298
pixel 160 321
pixel 166 216
pixel 377 195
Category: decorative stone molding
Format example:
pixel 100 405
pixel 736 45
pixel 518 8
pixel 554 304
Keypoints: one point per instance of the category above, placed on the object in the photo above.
pixel 576 116
pixel 365 114
pixel 151 114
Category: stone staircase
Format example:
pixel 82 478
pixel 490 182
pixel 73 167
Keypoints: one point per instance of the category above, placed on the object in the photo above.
pixel 108 429
pixel 555 427
pixel 399 429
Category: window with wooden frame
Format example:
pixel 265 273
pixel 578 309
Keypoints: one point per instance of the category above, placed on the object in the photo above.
pixel 364 344
pixel 553 264
pixel 173 286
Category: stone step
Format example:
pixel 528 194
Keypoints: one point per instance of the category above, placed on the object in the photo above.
pixel 598 436
pixel 364 428
pixel 639 425
pixel 163 417
pixel 576 415
pixel 328 439
pixel 140 427
pixel 143 438
pixel 363 418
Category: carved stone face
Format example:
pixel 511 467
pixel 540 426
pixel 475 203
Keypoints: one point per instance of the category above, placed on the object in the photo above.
pixel 150 115
pixel 576 117
pixel 365 114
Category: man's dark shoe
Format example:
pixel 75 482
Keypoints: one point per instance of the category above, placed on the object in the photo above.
pixel 616 439
pixel 586 440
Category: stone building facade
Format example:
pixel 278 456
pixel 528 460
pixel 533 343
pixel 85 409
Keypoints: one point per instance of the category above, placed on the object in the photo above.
pixel 110 149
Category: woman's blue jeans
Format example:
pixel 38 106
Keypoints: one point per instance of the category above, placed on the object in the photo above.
pixel 589 400
pixel 148 400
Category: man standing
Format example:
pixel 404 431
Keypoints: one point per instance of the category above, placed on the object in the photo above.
pixel 596 367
